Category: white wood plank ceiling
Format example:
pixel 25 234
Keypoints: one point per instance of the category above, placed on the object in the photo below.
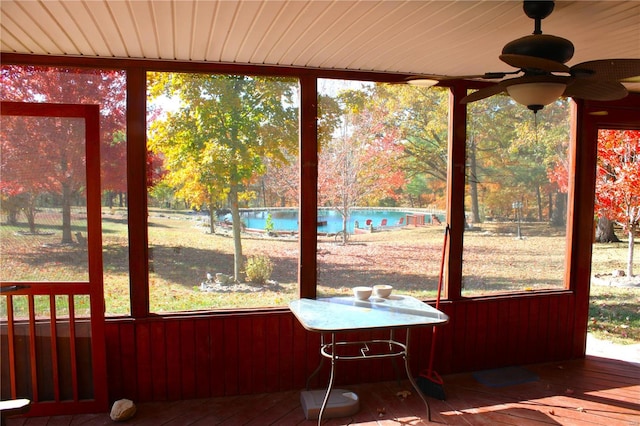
pixel 416 36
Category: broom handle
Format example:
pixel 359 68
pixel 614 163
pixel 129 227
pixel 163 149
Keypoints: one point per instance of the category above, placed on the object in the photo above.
pixel 444 252
pixel 433 332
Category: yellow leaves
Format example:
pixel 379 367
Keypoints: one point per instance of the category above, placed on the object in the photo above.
pixel 225 126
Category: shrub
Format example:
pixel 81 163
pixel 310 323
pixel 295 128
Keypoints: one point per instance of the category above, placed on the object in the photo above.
pixel 269 223
pixel 258 269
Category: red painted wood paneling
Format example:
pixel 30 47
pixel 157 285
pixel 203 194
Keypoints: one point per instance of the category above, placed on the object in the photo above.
pixel 229 368
pixel 376 369
pixel 444 358
pixel 246 358
pixel 217 378
pixel 491 327
pixel 532 331
pixel 187 366
pixel 459 330
pixel 419 352
pixel 258 367
pixel 299 364
pixel 158 361
pixel 202 358
pixel 172 349
pixel 523 332
pixel 112 338
pixel 513 330
pixel 565 328
pixel 471 336
pixel 541 344
pixel 500 352
pixel 230 355
pixel 482 344
pixel 272 366
pixel 127 349
pixel 143 360
pixel 554 340
pixel 285 351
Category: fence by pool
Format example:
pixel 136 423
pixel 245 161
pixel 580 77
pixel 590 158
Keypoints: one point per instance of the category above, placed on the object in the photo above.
pixel 330 221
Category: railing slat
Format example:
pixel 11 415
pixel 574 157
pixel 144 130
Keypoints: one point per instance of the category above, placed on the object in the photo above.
pixel 11 347
pixel 53 321
pixel 32 349
pixel 72 347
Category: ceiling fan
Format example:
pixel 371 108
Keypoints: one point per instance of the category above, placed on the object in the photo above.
pixel 540 59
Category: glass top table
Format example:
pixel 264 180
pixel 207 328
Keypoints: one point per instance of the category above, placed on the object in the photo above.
pixel 347 314
pixel 337 314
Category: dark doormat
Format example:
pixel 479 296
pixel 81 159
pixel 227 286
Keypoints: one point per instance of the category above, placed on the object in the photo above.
pixel 507 376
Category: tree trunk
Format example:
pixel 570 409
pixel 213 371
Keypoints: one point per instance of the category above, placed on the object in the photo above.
pixel 264 193
pixel 559 213
pixel 238 269
pixel 12 216
pixel 30 214
pixel 345 213
pixel 550 206
pixel 632 231
pixel 12 206
pixel 344 230
pixel 66 213
pixel 539 201
pixel 605 232
pixel 212 218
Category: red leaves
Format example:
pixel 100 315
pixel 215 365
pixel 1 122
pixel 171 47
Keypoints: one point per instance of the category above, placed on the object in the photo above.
pixel 106 88
pixel 618 176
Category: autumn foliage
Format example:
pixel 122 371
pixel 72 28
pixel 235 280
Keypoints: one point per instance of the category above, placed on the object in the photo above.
pixel 618 181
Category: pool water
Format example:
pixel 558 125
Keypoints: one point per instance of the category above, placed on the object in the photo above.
pixel 330 221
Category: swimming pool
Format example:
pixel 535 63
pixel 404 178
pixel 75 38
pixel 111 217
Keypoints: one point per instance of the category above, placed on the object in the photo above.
pixel 329 220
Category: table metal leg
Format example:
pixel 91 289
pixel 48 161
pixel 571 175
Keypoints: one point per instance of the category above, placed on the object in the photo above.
pixel 331 377
pixel 325 353
pixel 393 360
pixel 412 380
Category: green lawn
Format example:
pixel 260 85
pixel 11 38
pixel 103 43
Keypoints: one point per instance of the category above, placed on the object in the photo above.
pixel 614 311
pixel 183 251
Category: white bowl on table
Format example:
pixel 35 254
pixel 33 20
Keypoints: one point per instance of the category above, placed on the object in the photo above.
pixel 382 290
pixel 362 293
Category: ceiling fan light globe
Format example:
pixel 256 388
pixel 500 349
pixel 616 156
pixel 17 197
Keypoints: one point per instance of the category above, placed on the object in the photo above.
pixel 422 82
pixel 536 94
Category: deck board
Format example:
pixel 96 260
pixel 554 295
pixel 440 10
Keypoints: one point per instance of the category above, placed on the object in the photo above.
pixel 590 391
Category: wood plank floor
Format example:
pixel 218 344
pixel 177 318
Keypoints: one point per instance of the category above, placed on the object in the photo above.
pixel 592 391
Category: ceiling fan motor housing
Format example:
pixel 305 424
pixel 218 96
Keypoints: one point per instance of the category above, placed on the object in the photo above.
pixel 545 46
pixel 541 57
pixel 538 9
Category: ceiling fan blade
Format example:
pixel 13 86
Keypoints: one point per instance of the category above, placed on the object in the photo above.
pixel 595 90
pixel 485 76
pixel 533 62
pixel 485 92
pixel 607 69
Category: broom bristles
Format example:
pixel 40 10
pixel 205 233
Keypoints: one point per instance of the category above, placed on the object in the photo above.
pixel 431 385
